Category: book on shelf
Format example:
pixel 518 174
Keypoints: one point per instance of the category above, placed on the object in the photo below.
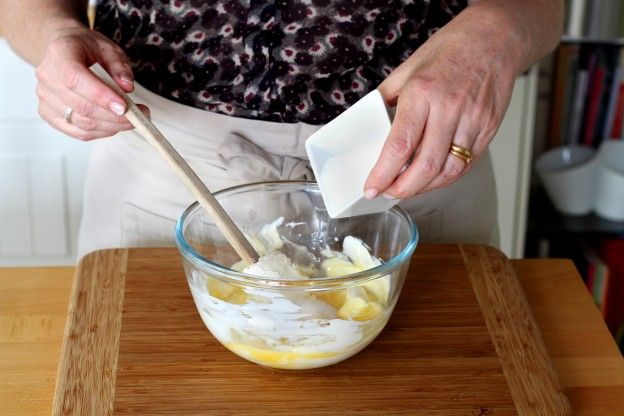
pixel 616 128
pixel 603 270
pixel 594 93
pixel 610 67
pixel 615 111
pixel 581 85
pixel 612 305
pixel 566 67
pixel 581 82
pixel 596 19
pixel 575 18
pixel 587 103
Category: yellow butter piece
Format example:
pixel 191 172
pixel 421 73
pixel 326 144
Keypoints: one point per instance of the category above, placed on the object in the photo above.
pixel 335 298
pixel 305 270
pixel 378 289
pixel 358 309
pixel 225 291
pixel 336 267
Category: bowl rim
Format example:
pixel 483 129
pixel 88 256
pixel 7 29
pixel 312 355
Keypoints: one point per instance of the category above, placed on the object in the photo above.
pixel 231 276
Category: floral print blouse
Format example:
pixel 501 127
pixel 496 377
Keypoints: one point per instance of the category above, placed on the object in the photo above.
pixel 279 60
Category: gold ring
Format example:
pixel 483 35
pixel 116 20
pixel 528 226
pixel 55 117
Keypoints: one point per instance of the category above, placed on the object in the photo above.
pixel 462 153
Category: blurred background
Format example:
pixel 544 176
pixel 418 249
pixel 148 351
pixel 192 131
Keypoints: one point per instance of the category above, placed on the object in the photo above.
pixel 41 173
pixel 580 108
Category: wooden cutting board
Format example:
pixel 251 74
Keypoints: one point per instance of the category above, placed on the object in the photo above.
pixel 461 341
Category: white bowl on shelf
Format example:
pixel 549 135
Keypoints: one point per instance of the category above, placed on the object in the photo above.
pixel 568 174
pixel 609 193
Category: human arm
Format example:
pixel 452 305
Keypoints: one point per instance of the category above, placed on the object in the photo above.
pixel 456 88
pixel 53 36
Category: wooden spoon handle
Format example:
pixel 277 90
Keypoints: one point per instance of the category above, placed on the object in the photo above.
pixel 145 127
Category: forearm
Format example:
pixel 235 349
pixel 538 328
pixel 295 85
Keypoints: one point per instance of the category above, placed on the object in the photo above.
pixel 30 25
pixel 528 29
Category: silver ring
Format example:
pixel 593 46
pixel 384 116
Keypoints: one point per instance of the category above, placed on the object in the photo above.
pixel 68 113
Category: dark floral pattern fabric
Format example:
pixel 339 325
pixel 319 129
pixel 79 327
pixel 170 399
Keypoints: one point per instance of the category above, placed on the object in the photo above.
pixel 281 60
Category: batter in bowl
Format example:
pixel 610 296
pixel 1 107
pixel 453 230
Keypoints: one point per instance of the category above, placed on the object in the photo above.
pixel 295 329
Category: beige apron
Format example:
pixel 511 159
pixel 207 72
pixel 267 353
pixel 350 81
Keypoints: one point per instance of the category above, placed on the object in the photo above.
pixel 133 199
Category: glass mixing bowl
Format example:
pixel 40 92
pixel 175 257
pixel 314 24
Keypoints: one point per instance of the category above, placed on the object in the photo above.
pixel 294 324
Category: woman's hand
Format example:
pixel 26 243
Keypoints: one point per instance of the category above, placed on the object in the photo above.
pixel 65 82
pixel 449 91
pixel 455 89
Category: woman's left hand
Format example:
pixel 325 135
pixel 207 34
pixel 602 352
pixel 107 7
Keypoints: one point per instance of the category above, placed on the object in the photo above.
pixel 454 89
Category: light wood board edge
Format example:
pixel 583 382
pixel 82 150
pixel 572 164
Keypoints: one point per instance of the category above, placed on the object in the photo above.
pixel 530 374
pixel 85 383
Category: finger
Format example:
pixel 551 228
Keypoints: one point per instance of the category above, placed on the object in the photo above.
pixel 80 105
pixel 405 135
pixel 84 107
pixel 96 118
pixel 429 158
pixel 390 88
pixel 453 169
pixel 116 63
pixel 145 110
pixel 90 124
pixel 87 108
pixel 62 125
pixel 66 64
pixel 79 79
pixel 455 166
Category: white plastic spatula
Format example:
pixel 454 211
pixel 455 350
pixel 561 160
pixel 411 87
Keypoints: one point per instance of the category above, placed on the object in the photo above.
pixel 205 198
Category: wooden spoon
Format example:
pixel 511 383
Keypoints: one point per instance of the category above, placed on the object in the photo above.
pixel 145 127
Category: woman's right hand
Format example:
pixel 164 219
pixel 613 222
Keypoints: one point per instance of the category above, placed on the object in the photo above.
pixel 65 81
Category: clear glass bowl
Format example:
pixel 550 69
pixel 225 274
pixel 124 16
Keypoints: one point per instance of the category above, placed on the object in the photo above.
pixel 294 324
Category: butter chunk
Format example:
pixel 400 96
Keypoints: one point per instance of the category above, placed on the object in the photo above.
pixel 336 267
pixel 225 291
pixel 358 309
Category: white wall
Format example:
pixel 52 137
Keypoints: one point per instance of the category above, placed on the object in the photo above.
pixel 41 175
pixel 511 153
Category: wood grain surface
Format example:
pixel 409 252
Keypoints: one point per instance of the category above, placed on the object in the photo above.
pixel 586 358
pixel 33 307
pixel 436 355
pixel 85 383
pixel 527 367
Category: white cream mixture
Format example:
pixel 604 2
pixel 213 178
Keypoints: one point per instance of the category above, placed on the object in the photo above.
pixel 295 329
pixel 274 265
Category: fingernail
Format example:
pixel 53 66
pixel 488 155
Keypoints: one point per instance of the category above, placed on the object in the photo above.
pixel 388 196
pixel 126 79
pixel 117 108
pixel 371 193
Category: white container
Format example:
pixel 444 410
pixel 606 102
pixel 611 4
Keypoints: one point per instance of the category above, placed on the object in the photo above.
pixel 568 174
pixel 609 195
pixel 343 152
